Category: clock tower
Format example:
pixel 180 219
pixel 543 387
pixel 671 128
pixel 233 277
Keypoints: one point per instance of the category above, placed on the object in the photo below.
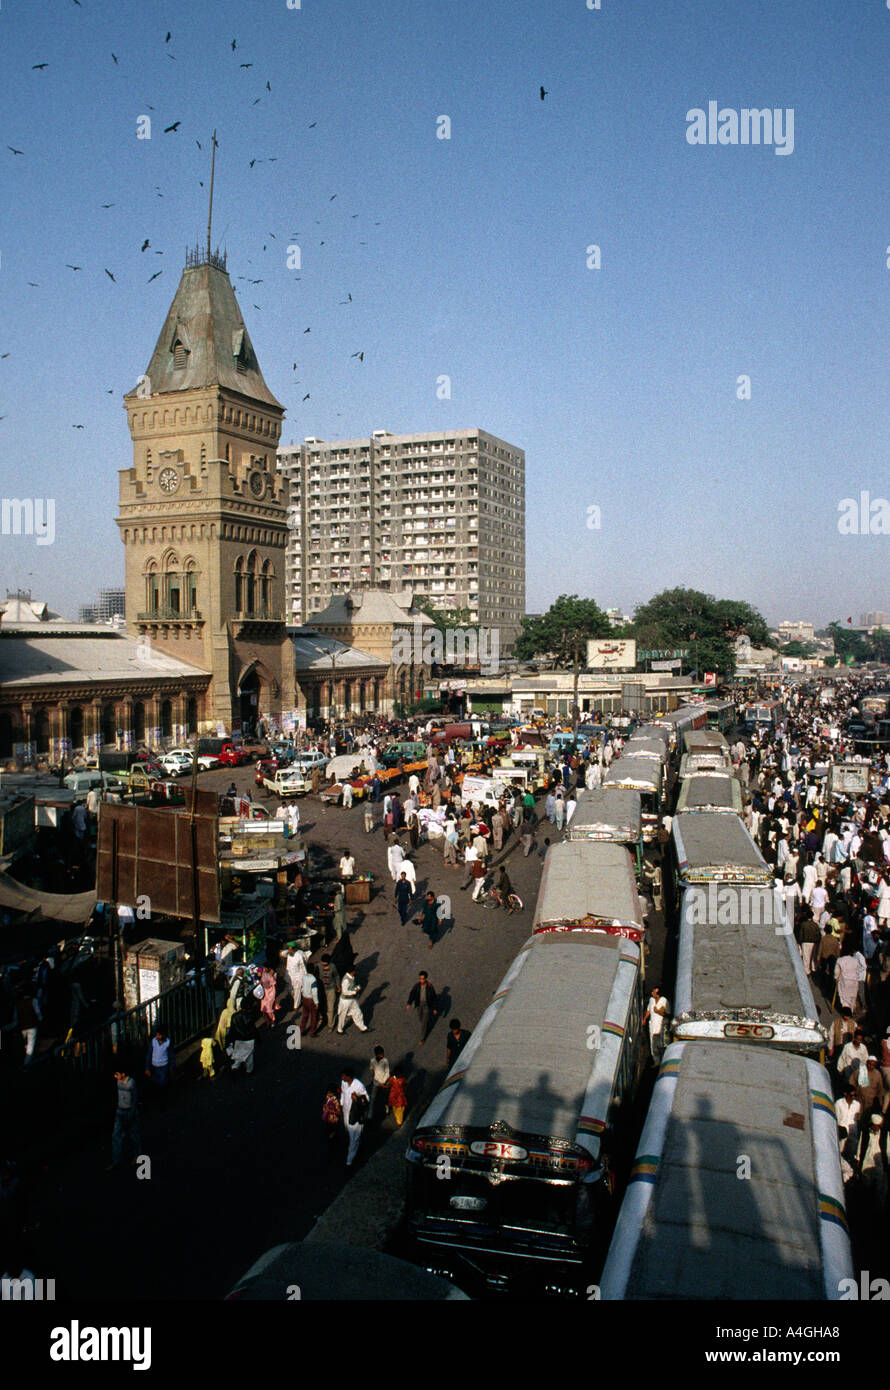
pixel 203 513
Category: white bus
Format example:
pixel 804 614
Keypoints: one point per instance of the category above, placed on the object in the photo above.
pixel 736 1192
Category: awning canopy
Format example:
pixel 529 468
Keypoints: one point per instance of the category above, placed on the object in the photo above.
pixel 74 908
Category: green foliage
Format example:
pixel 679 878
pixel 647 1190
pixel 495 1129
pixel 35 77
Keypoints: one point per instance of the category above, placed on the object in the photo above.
pixel 707 626
pixel 563 631
pixel 801 649
pixel 850 643
pixel 444 618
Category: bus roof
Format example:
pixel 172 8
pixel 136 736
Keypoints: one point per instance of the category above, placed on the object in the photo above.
pixel 641 773
pixel 689 1228
pixel 710 792
pixel 712 846
pixel 613 813
pixel 588 881
pixel 638 747
pixel 528 1064
pixel 739 963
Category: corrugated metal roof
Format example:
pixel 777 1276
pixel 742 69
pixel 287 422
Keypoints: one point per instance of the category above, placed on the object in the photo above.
pixel 45 660
pixel 315 652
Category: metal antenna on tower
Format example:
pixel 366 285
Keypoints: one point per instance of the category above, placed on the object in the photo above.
pixel 210 208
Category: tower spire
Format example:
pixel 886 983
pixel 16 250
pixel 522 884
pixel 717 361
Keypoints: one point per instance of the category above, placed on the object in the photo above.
pixel 210 205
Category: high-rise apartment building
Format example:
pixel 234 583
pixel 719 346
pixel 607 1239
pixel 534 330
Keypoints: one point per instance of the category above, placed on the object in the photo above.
pixel 440 514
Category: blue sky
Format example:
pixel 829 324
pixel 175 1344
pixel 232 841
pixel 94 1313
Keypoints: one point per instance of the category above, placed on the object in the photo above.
pixel 467 258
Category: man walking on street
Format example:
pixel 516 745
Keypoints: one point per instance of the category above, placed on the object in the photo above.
pixel 126 1121
pixel 404 894
pixel 655 1016
pixel 354 1106
pixel 380 1078
pixel 424 999
pixel 455 1042
pixel 349 992
pixel 330 979
pixel 429 921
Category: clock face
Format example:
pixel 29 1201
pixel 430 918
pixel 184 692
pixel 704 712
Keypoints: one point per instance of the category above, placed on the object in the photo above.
pixel 168 480
pixel 257 484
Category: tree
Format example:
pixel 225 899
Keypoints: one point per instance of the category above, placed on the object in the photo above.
pixel 801 649
pixel 848 642
pixel 708 626
pixel 563 633
pixel 444 618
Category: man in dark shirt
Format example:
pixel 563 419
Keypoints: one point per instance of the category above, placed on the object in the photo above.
pixel 424 999
pixel 430 918
pixel 455 1042
pixel 404 894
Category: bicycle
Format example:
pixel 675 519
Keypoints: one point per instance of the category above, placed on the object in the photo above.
pixel 491 897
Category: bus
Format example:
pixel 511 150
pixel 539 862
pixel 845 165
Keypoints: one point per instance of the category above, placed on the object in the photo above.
pixel 740 976
pixel 689 1227
pixel 710 791
pixel 710 847
pixel 646 776
pixel 679 720
pixel 510 1167
pixel 589 886
pixel 638 747
pixel 721 714
pixel 613 816
pixel 764 714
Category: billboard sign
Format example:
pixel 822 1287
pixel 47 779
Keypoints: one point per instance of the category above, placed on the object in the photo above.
pixel 611 654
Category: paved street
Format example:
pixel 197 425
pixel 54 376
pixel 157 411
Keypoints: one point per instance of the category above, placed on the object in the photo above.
pixel 238 1165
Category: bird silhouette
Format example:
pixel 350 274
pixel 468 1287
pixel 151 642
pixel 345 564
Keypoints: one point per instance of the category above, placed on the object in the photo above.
pixel 544 94
pixel 38 67
pixel 109 274
pixel 167 39
pixel 154 277
pixel 78 427
pixel 306 397
pixel 256 306
pixel 256 161
pixel 15 151
pixel 307 330
pixel 347 300
pixel 257 102
pixel 268 86
pixel 34 284
pixel 145 245
pixel 313 125
pixel 245 65
pixel 198 143
pixel 295 366
pixel 114 56
pixel 234 44
pixel 73 267
pixel 3 355
pixel 254 282
pixel 332 197
pixel 108 205
pixel 359 355
pixel 109 393
pixel 175 126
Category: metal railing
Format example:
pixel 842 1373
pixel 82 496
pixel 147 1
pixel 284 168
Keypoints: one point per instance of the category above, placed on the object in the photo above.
pixel 183 1012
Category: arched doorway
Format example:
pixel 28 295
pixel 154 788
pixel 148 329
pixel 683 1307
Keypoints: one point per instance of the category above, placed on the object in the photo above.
pixel 249 701
pixel 6 734
pixel 191 715
pixel 41 730
pixel 139 722
pixel 109 724
pixel 166 719
pixel 75 728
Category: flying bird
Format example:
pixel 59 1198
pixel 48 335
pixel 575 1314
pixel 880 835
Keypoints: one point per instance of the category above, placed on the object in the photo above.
pixel 34 284
pixel 109 274
pixel 114 56
pixel 234 44
pixel 257 102
pixel 109 393
pixel 10 147
pixel 108 205
pixel 73 267
pixel 198 143
pixel 77 427
pixel 268 86
pixel 359 355
pixel 332 197
pixel 306 397
pixel 154 277
pixel 307 330
pixel 145 245
pixel 167 39
pixel 348 299
pixel 174 127
pixel 256 161
pixel 544 94
pixel 38 67
pixel 313 125
pixel 254 282
pixel 245 65
pixel 3 355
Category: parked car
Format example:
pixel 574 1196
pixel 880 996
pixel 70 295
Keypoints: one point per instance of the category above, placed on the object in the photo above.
pixel 233 755
pixel 307 761
pixel 82 782
pixel 206 761
pixel 285 782
pixel 176 764
pixel 266 767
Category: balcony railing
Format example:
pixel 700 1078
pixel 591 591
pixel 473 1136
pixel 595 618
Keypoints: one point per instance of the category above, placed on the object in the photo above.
pixel 170 615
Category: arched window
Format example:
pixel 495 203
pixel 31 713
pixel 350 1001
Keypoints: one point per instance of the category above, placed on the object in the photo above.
pixel 239 584
pixel 191 715
pixel 40 727
pixel 75 728
pixel 250 597
pixel 190 587
pixel 139 722
pixel 266 589
pixel 152 588
pixel 166 718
